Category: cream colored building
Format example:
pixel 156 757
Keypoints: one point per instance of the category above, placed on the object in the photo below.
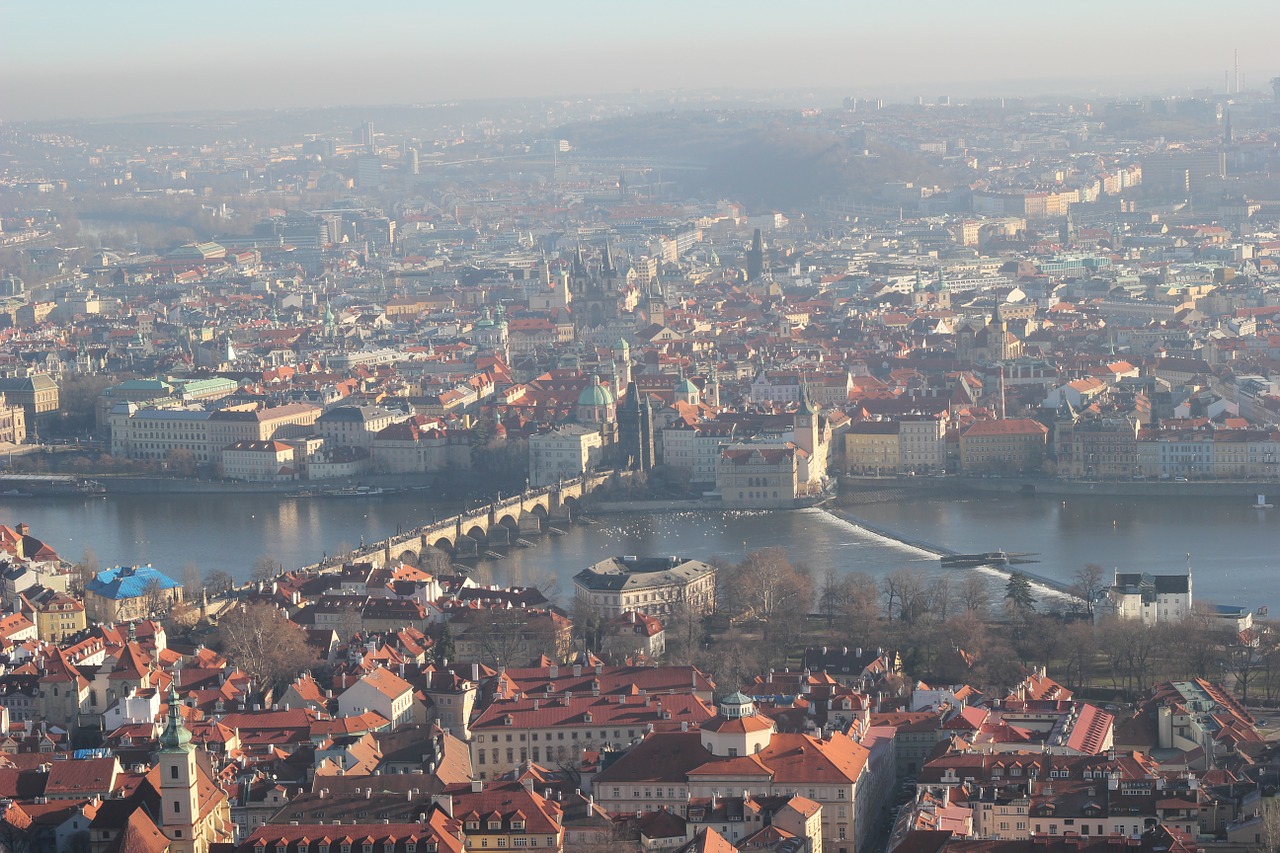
pixel 564 453
pixel 872 447
pixel 653 585
pixel 259 461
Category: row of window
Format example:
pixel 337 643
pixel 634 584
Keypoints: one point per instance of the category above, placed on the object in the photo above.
pixel 345 847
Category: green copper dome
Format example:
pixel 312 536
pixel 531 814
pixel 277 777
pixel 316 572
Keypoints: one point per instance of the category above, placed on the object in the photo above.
pixel 595 394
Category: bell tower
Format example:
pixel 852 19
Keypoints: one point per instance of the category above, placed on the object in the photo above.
pixel 805 423
pixel 179 797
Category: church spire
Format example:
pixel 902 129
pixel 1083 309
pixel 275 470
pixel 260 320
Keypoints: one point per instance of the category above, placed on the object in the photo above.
pixel 608 269
pixel 175 737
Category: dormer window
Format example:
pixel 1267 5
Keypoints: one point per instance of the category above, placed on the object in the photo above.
pixel 517 824
pixel 495 825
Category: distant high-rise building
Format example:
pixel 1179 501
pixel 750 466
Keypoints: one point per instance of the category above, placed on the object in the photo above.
pixel 369 172
pixel 413 161
pixel 364 137
pixel 755 257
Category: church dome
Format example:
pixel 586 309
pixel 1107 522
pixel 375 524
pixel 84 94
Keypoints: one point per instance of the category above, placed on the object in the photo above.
pixel 595 394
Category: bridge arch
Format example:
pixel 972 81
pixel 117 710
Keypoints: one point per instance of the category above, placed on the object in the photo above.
pixel 444 543
pixel 409 557
pixel 478 533
pixel 511 525
pixel 539 512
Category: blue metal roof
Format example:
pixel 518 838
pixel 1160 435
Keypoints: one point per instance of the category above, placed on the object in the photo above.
pixel 128 582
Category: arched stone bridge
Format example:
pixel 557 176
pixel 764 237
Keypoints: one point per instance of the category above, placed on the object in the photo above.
pixel 499 523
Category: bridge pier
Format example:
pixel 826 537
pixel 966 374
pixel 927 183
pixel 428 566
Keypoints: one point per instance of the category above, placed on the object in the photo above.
pixel 527 512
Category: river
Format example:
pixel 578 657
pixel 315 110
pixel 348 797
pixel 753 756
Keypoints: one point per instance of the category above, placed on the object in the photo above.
pixel 1233 547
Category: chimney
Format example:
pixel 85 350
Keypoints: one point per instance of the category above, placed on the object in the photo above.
pixel 577 670
pixel 477 786
pixel 444 801
pixel 475 672
pixel 555 671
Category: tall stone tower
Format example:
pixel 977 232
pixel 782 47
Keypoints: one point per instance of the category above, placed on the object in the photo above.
pixel 635 431
pixel 622 365
pixel 179 791
pixel 805 423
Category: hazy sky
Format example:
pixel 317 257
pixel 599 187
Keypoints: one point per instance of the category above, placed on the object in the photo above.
pixel 64 58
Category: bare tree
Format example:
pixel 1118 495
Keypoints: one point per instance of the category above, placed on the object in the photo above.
pixel 940 597
pixel 1130 647
pixel 260 639
pixel 1081 652
pixel 684 633
pixel 218 581
pixel 910 589
pixel 831 596
pixel 155 598
pixel 85 570
pixel 1087 585
pixel 1193 650
pixel 975 593
pixel 266 568
pixel 1243 662
pixel 768 588
pixel 192 582
pixel 508 637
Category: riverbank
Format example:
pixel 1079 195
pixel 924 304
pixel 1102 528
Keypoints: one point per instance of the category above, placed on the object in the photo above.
pixel 867 489
pixel 133 485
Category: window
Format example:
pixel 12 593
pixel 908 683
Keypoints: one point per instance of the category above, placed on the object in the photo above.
pixel 173 771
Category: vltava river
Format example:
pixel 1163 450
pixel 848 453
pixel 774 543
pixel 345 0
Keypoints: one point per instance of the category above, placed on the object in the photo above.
pixel 1234 548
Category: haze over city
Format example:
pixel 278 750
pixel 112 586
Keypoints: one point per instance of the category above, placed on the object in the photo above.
pixel 89 59
pixel 671 427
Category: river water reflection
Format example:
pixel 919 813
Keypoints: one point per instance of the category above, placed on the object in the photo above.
pixel 1234 547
